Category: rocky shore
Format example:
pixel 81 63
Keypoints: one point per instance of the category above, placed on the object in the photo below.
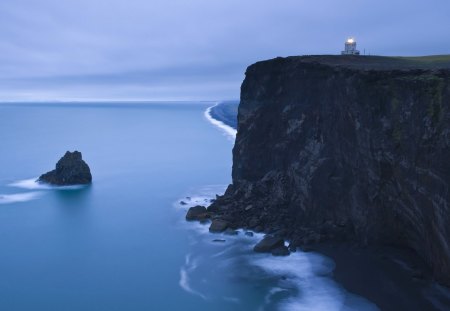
pixel 349 151
pixel 391 277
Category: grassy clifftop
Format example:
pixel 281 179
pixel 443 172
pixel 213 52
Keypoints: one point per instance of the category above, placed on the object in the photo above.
pixel 433 61
pixel 372 62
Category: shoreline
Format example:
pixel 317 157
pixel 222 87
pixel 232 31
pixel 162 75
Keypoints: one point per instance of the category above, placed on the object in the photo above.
pixel 392 278
pixel 228 130
pixel 301 281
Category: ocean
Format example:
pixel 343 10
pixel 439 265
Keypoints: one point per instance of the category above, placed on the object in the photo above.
pixel 122 243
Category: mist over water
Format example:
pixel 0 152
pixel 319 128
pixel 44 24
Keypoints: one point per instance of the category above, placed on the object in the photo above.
pixel 224 271
pixel 122 243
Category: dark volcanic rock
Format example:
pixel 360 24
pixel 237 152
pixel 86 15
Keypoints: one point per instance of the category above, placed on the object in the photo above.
pixel 197 213
pixel 230 231
pixel 70 170
pixel 218 225
pixel 345 148
pixel 268 244
pixel 281 251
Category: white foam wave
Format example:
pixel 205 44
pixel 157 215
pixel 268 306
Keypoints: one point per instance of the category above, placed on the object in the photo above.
pixel 201 196
pixel 33 184
pixel 306 277
pixel 184 277
pixel 310 274
pixel 187 202
pixel 269 296
pixel 18 197
pixel 228 130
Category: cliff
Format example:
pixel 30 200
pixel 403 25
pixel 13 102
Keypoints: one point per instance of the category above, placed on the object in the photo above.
pixel 345 148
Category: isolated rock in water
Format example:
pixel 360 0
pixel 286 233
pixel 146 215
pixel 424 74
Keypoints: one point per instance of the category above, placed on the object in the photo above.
pixel 268 244
pixel 70 170
pixel 197 213
pixel 218 226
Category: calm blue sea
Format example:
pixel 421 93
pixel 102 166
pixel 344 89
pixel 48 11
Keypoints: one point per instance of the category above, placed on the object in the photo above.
pixel 122 243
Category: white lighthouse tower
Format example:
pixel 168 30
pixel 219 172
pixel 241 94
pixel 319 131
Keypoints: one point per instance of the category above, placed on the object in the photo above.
pixel 350 47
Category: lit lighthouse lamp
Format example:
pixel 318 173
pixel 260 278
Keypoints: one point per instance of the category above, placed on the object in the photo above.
pixel 350 47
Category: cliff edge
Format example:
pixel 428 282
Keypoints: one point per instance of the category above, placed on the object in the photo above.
pixel 345 148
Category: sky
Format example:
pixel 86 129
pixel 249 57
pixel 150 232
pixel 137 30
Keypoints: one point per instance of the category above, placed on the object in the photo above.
pixel 85 50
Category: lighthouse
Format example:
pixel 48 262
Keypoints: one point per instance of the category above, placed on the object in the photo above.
pixel 350 47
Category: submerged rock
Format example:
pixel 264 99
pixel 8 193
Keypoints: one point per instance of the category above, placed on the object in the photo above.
pixel 281 251
pixel 230 231
pixel 70 170
pixel 268 244
pixel 197 213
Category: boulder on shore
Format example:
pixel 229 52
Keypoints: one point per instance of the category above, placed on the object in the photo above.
pixel 218 225
pixel 70 170
pixel 197 212
pixel 268 244
pixel 281 251
pixel 230 231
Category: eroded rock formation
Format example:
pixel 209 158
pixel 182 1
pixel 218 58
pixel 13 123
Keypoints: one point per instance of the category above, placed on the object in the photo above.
pixel 70 170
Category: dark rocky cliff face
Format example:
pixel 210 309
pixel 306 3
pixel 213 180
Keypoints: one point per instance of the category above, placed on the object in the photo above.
pixel 345 148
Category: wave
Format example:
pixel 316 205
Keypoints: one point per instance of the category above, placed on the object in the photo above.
pixel 30 184
pixel 184 277
pixel 33 184
pixel 304 278
pixel 310 274
pixel 228 130
pixel 202 196
pixel 18 197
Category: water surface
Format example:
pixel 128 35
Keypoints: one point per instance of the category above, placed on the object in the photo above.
pixel 122 243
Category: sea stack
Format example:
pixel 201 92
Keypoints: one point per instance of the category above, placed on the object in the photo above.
pixel 70 170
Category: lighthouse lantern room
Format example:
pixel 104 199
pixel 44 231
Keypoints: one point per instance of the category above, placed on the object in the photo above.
pixel 350 47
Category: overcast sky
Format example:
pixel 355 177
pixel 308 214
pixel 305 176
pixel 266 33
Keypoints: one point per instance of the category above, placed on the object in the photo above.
pixel 191 49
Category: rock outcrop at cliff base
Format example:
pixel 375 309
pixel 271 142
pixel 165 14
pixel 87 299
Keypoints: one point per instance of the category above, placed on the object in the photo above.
pixel 339 148
pixel 70 170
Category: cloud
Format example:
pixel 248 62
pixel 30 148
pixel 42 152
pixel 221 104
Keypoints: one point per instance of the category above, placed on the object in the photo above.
pixel 136 49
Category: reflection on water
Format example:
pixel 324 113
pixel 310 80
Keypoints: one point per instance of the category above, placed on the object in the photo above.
pixel 73 195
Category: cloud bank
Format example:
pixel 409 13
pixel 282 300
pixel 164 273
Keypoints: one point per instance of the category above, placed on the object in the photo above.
pixel 191 50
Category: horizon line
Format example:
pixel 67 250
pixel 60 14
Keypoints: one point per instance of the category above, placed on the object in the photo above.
pixel 108 101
